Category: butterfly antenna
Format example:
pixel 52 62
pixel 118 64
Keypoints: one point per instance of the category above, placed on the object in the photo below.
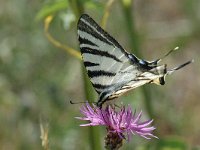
pixel 179 67
pixel 82 102
pixel 158 60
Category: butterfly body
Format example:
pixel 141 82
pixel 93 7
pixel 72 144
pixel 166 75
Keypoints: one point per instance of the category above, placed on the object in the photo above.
pixel 111 69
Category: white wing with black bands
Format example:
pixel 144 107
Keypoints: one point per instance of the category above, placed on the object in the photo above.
pixel 111 69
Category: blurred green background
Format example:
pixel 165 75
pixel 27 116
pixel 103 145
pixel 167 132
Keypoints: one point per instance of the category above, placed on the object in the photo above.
pixel 37 79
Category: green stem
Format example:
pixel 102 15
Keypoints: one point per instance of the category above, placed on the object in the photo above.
pixel 94 134
pixel 135 46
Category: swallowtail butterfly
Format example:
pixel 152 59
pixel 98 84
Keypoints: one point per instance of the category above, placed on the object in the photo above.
pixel 111 69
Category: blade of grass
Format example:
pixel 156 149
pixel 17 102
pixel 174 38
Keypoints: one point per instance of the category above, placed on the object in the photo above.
pixel 56 43
pixel 106 13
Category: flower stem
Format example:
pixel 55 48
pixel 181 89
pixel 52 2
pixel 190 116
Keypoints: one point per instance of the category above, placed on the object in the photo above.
pixel 135 46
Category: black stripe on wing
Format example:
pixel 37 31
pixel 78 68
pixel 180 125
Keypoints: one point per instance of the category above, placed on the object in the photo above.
pixel 109 39
pixel 98 52
pixel 101 86
pixel 90 64
pixel 82 26
pixel 86 41
pixel 98 73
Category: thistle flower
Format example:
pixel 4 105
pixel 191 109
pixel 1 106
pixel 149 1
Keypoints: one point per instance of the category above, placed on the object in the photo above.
pixel 120 124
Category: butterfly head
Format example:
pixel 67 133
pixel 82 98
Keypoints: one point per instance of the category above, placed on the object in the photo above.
pixel 162 71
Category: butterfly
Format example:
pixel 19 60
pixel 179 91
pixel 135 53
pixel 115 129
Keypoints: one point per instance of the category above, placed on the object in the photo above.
pixel 111 69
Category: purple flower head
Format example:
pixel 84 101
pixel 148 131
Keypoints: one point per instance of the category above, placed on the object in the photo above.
pixel 123 122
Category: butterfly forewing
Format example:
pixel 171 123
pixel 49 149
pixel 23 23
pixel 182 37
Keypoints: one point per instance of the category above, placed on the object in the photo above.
pixel 106 61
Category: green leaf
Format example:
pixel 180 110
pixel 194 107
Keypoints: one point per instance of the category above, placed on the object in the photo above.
pixel 51 9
